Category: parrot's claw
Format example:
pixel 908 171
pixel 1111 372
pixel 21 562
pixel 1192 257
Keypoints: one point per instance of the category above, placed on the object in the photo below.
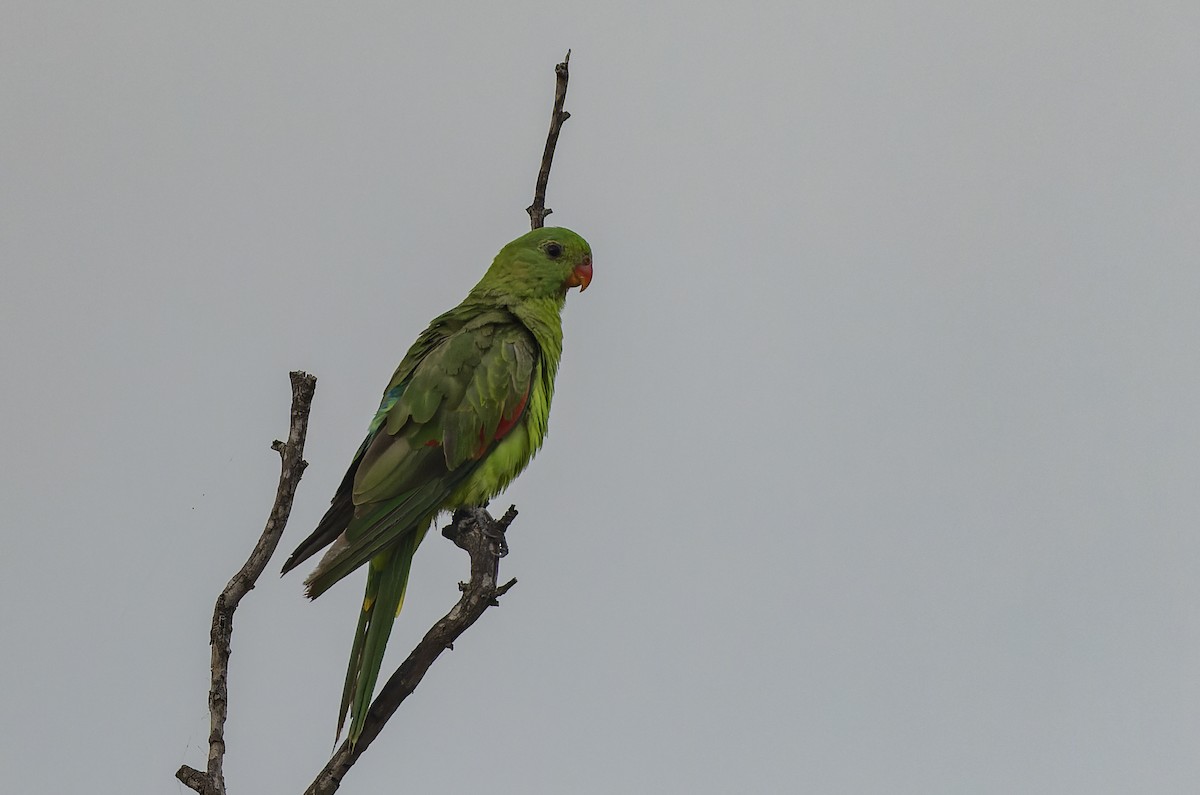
pixel 491 530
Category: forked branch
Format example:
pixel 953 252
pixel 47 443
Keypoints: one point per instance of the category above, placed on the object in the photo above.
pixel 473 530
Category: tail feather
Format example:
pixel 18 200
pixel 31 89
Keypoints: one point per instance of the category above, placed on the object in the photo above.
pixel 386 584
pixel 356 649
pixel 335 520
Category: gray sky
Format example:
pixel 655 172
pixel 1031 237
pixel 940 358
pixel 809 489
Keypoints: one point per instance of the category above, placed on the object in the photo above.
pixel 873 463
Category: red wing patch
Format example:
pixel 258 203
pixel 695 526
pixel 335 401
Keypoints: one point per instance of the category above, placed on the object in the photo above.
pixel 506 424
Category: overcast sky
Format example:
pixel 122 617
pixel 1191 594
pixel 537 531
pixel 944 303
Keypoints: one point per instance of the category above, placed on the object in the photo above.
pixel 874 459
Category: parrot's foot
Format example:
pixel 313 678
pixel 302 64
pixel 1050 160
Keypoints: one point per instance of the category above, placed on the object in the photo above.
pixel 490 528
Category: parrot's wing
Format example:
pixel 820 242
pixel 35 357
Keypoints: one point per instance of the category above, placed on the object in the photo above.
pixel 341 509
pixel 431 432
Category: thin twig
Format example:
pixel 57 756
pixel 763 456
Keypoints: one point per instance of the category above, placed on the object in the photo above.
pixel 538 210
pixel 291 454
pixel 482 537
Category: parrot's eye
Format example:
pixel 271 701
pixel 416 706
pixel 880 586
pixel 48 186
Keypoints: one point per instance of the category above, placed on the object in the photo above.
pixel 553 250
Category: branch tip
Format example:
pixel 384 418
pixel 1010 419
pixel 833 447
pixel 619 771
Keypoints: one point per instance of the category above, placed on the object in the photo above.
pixel 538 210
pixel 504 521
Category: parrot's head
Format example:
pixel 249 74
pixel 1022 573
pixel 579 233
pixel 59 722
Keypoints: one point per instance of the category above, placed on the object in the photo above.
pixel 544 263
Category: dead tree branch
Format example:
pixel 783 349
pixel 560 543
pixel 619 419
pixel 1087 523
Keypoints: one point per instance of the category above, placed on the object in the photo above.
pixel 474 530
pixel 538 210
pixel 483 539
pixel 291 452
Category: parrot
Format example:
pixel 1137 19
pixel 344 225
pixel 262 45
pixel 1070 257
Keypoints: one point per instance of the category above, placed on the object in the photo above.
pixel 464 413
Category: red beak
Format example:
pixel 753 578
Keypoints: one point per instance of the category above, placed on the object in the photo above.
pixel 581 277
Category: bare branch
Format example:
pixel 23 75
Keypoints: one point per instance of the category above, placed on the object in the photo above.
pixel 538 210
pixel 291 454
pixel 483 538
pixel 474 530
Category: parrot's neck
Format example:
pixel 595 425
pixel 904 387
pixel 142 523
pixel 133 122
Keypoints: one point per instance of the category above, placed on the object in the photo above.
pixel 543 318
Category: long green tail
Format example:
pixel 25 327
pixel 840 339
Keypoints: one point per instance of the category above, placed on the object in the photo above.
pixel 387 579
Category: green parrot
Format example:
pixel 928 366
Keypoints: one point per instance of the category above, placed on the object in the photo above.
pixel 462 416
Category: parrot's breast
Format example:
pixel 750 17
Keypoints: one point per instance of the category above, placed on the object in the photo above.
pixel 511 454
